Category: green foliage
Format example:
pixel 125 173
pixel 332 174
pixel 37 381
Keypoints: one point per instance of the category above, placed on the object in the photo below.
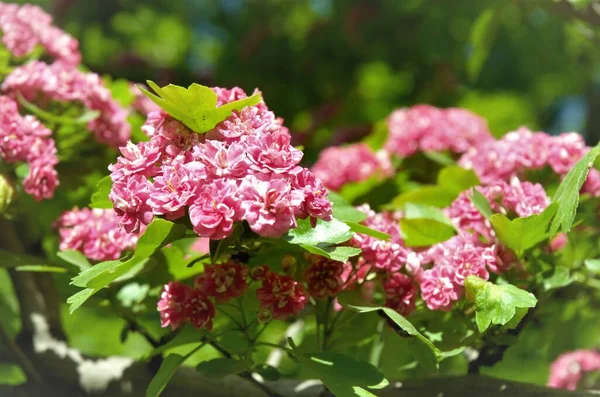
pixel 425 225
pixel 220 367
pixel 166 371
pixel 75 258
pixel 496 304
pixel 342 375
pixel 481 38
pixel 100 197
pixel 195 106
pixel 158 234
pixel 481 203
pixel 520 234
pixel 567 195
pixel 344 211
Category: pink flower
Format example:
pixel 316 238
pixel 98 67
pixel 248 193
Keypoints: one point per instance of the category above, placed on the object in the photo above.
pixel 172 304
pixel 215 209
pixel 565 150
pixel 315 203
pixel 224 281
pixel 400 293
pixel 130 198
pixel 95 233
pixel 176 188
pixel 24 27
pixel 464 257
pixel 223 161
pixel 467 218
pixel 525 198
pixel 337 166
pixel 268 206
pixel 41 181
pixel 272 153
pixel 324 277
pixel 559 242
pixel 225 95
pixel 281 296
pixel 568 369
pixel 243 123
pixel 199 310
pixel 437 289
pixel 138 158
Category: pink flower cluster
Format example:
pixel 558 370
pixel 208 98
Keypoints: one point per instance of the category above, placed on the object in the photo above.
pixel 279 296
pixel 243 169
pixel 179 304
pixel 427 128
pixel 337 166
pixel 95 233
pixel 522 150
pixel 324 277
pixel 40 83
pixel 569 368
pixel 27 26
pixel 25 139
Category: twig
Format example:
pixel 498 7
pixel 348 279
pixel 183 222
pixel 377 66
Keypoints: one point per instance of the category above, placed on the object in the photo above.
pixel 22 359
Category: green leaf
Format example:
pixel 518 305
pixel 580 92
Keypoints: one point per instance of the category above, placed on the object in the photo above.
pixel 567 194
pixel 165 373
pixel 420 347
pixel 268 373
pixel 75 301
pixel 340 254
pixel 560 278
pixel 362 229
pixel 482 36
pixel 434 195
pixel 424 225
pixel 220 367
pixel 456 179
pixel 332 232
pixel 343 375
pixel 344 211
pixel 158 234
pixel 592 265
pixel 75 258
pixel 100 197
pixel 195 106
pixel 496 304
pixel 84 118
pixel 439 157
pixel 41 268
pixel 481 203
pixel 520 234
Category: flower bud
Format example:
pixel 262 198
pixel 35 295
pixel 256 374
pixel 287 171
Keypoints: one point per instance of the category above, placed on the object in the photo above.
pixel 7 193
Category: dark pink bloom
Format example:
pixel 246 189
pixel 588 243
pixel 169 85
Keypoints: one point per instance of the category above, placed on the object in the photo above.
pixel 199 310
pixel 281 296
pixel 324 277
pixel 215 209
pixel 525 198
pixel 224 281
pixel 565 150
pixel 221 160
pixel 172 304
pixel 559 242
pixel 315 203
pixel 400 293
pixel 272 153
pixel 140 158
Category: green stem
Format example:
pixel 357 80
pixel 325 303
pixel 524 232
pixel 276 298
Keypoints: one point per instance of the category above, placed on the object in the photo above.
pixel 235 321
pixel 326 329
pixel 275 345
pixel 241 307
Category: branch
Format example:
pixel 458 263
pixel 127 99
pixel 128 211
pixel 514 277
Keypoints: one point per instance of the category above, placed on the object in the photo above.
pixel 589 14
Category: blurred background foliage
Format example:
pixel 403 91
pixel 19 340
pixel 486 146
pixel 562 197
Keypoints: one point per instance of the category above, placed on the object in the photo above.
pixel 333 67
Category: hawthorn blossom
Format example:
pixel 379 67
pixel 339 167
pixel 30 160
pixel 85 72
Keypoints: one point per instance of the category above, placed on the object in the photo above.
pixel 39 82
pixel 130 198
pixel 224 281
pixel 337 166
pixel 172 304
pixel 27 26
pixel 25 139
pixel 400 293
pixel 324 277
pixel 569 368
pixel 427 128
pixel 95 233
pixel 280 296
pixel 525 198
pixel 315 203
pixel 215 209
pixel 199 310
pixel 437 288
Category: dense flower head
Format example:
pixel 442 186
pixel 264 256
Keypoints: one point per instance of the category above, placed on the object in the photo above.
pixel 427 128
pixel 25 27
pixel 25 139
pixel 437 289
pixel 569 368
pixel 339 165
pixel 95 233
pixel 400 293
pixel 389 255
pixel 40 83
pixel 245 169
pixel 523 150
pixel 324 277
pixel 180 303
pixel 224 281
pixel 280 297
